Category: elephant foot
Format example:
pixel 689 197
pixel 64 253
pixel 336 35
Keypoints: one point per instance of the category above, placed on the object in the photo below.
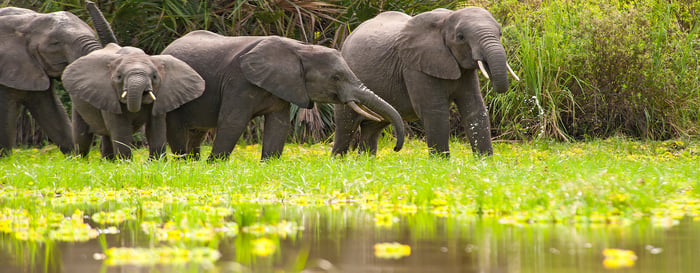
pixel 440 154
pixel 66 150
pixel 216 158
pixel 482 154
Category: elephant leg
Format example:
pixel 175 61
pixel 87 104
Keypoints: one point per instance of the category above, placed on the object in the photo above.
pixel 155 133
pixel 194 142
pixel 437 131
pixel 120 131
pixel 369 136
pixel 346 122
pixel 82 137
pixel 430 102
pixel 475 117
pixel 106 148
pixel 122 146
pixel 8 123
pixel 52 118
pixel 176 135
pixel 275 133
pixel 227 135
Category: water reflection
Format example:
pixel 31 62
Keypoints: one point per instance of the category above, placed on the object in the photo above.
pixel 344 240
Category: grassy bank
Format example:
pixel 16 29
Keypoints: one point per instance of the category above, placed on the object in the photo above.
pixel 548 180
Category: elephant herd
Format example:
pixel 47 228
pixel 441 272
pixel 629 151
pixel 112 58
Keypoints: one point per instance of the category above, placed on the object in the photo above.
pixel 391 68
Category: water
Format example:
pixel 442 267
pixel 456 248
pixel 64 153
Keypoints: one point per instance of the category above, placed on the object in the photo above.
pixel 344 240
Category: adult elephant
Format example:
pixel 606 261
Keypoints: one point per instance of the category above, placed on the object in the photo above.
pixel 420 65
pixel 35 48
pixel 116 90
pixel 252 76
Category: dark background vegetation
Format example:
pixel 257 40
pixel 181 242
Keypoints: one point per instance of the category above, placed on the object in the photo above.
pixel 589 69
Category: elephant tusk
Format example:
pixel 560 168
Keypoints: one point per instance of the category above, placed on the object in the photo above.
pixel 153 96
pixel 512 73
pixel 371 112
pixel 483 69
pixel 124 94
pixel 359 110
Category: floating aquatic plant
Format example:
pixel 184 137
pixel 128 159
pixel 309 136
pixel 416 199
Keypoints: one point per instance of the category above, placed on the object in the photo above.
pixel 159 255
pixel 391 250
pixel 618 258
pixel 282 229
pixel 114 217
pixel 263 247
pixel 385 220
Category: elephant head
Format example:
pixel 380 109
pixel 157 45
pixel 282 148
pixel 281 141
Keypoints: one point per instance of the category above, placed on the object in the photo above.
pixel 443 42
pixel 114 75
pixel 303 74
pixel 39 46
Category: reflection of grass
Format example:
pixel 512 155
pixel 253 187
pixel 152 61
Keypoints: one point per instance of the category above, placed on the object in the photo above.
pixel 186 205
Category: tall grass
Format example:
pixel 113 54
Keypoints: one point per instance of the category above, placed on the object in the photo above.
pixel 600 68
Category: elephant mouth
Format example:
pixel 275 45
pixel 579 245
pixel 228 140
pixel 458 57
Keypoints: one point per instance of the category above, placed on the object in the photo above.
pixel 364 111
pixel 56 69
pixel 146 93
pixel 485 71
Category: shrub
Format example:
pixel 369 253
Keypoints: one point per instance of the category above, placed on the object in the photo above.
pixel 599 68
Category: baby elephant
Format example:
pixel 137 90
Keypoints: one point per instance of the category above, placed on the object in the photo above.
pixel 116 90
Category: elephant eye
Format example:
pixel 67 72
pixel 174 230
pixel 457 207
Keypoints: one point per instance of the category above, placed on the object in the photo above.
pixel 154 77
pixel 119 77
pixel 460 36
pixel 335 78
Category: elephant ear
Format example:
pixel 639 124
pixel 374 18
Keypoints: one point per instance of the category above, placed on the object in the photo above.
pixel 274 65
pixel 421 44
pixel 179 84
pixel 19 70
pixel 89 78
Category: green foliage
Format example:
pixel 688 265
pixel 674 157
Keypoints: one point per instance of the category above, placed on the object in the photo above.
pixel 600 68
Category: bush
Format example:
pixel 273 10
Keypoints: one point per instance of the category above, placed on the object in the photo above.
pixel 600 68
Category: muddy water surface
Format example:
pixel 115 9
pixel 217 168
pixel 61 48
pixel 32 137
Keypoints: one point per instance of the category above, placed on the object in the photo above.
pixel 352 240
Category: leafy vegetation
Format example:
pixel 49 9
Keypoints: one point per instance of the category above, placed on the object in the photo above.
pixel 600 68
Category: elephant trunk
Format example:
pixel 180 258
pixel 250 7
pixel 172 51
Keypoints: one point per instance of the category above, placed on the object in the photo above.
pixel 104 31
pixel 134 88
pixel 82 46
pixel 495 57
pixel 377 106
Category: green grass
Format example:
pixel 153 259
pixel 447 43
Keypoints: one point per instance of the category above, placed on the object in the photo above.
pixel 598 69
pixel 614 176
